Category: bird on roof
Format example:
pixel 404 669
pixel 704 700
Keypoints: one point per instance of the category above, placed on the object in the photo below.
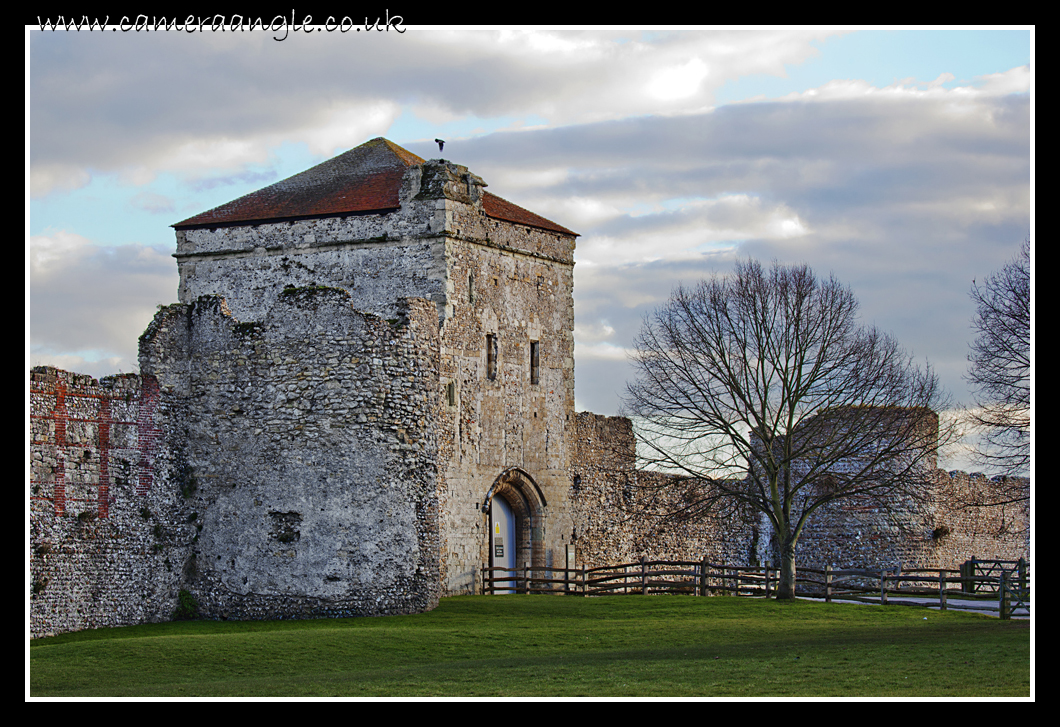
pixel 440 143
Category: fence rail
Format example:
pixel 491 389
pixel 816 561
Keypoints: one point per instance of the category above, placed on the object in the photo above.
pixel 1002 586
pixel 662 576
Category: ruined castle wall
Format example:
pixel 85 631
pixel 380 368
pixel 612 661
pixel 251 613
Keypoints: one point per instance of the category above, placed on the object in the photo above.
pixel 108 534
pixel 275 470
pixel 311 454
pixel 942 531
pixel 963 530
pixel 621 514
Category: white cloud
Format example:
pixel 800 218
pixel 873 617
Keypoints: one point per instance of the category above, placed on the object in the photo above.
pixel 1015 80
pixel 583 212
pixel 599 351
pixel 787 227
pixel 679 81
pixel 56 177
pixel 529 44
pixel 152 202
pixel 593 332
pixel 348 125
pixel 685 232
pixel 943 78
pixel 218 153
pixel 55 250
pixel 517 179
pixel 187 104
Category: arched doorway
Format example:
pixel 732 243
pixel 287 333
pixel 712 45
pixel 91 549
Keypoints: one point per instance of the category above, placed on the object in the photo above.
pixel 515 508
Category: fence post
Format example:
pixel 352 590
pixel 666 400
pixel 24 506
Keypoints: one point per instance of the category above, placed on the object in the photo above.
pixel 1003 599
pixel 526 577
pixel 828 584
pixel 767 579
pixel 883 586
pixel 566 569
pixel 644 575
pixel 1021 567
pixel 703 577
pixel 942 590
pixel 585 580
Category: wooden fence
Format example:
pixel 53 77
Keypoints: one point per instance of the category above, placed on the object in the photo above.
pixel 999 586
pixel 698 578
pixel 1003 587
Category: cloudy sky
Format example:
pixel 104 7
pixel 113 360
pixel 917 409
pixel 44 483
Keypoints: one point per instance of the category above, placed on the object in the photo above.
pixel 899 160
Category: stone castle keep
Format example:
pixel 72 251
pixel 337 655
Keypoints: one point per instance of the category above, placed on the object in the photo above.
pixel 364 394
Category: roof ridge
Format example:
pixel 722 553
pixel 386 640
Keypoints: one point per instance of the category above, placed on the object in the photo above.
pixel 404 154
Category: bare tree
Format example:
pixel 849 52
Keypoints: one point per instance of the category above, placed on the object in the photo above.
pixel 764 391
pixel 1000 372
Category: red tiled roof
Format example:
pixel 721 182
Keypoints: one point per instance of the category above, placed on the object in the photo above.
pixel 366 178
pixel 502 209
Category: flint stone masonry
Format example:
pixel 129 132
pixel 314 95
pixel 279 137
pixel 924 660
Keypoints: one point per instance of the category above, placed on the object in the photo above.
pixel 941 531
pixel 313 461
pixel 106 547
pixel 362 359
pixel 621 513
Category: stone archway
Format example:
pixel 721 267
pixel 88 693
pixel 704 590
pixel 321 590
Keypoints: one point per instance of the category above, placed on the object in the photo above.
pixel 526 504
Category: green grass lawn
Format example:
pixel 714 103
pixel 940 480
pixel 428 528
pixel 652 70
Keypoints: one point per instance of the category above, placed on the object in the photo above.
pixel 555 646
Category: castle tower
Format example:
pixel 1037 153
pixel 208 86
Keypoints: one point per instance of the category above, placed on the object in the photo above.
pixel 382 226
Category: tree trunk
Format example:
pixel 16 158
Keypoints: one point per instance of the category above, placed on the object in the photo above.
pixel 786 586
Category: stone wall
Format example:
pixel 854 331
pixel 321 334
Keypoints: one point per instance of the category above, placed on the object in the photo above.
pixel 303 480
pixel 507 421
pixel 108 534
pixel 309 440
pixel 274 470
pixel 376 258
pixel 249 266
pixel 620 513
pixel 942 530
